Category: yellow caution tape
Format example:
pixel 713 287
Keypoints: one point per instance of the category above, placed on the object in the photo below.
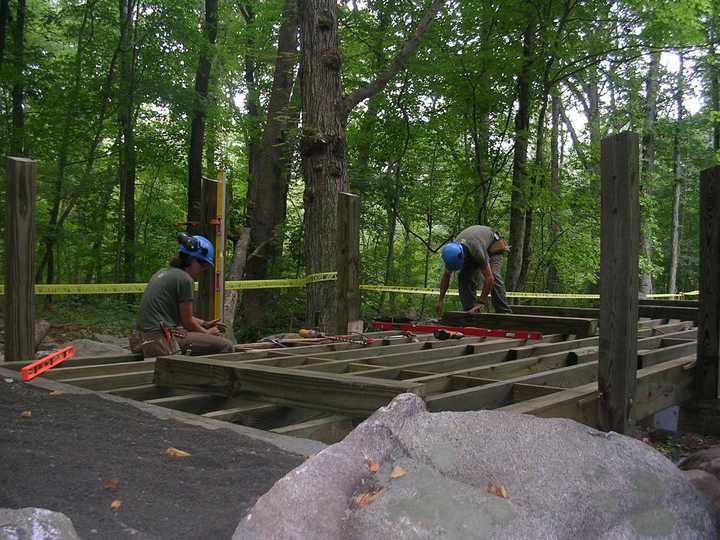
pixel 136 288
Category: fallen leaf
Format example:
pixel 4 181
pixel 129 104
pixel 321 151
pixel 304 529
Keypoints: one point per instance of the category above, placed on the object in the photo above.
pixel 497 490
pixel 366 498
pixel 174 452
pixel 117 503
pixel 397 472
pixel 373 465
pixel 26 414
pixel 111 485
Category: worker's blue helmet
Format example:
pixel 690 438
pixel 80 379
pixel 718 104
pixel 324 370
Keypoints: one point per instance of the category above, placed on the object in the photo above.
pixel 197 246
pixel 453 256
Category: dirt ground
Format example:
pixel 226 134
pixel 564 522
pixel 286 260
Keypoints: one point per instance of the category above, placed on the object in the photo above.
pixel 106 466
pixel 676 446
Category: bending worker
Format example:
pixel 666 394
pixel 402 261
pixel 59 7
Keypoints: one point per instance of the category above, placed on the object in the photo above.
pixel 477 254
pixel 166 324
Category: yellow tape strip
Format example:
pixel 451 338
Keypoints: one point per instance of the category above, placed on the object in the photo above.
pixel 136 288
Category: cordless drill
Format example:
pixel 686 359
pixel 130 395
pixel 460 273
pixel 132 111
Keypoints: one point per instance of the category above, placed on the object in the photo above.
pixel 443 334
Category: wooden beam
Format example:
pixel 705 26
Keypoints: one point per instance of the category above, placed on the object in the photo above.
pixel 654 311
pixel 708 358
pixel 619 249
pixel 328 429
pixel 20 194
pixel 345 394
pixel 61 373
pixel 109 382
pixel 192 402
pixel 82 361
pixel 251 414
pixel 659 302
pixel 510 321
pixel 658 387
pixel 347 285
pixel 440 350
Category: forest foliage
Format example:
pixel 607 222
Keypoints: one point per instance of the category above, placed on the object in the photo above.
pixel 496 118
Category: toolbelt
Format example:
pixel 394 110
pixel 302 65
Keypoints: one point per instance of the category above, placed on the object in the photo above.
pixel 160 343
pixel 499 245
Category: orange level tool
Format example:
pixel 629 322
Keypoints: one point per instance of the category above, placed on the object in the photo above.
pixel 31 371
pixel 467 330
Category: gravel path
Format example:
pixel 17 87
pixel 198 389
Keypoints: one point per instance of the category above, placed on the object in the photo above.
pixel 81 454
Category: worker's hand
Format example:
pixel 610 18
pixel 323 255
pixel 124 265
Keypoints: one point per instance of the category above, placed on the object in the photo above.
pixel 477 308
pixel 439 307
pixel 214 331
pixel 215 323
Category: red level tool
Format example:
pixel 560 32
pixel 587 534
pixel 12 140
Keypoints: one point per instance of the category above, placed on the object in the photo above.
pixel 31 371
pixel 467 330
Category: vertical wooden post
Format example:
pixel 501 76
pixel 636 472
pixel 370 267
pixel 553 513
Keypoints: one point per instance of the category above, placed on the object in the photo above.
pixel 20 259
pixel 348 264
pixel 205 306
pixel 708 351
pixel 619 246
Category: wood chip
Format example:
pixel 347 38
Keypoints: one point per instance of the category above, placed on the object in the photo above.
pixel 497 490
pixel 373 465
pixel 368 497
pixel 174 452
pixel 26 414
pixel 111 485
pixel 117 503
pixel 397 472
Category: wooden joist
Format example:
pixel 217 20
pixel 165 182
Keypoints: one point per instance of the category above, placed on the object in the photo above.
pixel 580 327
pixel 654 311
pixel 352 395
pixel 658 387
pixel 328 429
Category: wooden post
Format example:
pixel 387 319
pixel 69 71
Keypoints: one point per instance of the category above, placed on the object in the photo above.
pixel 619 246
pixel 348 264
pixel 20 259
pixel 205 305
pixel 708 350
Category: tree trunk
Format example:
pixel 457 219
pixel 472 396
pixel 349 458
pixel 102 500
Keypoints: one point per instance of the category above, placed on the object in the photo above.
pixel 519 174
pixel 127 165
pixel 17 145
pixel 648 165
pixel 237 270
pixel 197 128
pixel 267 197
pixel 553 279
pixel 324 142
pixel 714 68
pixel 677 180
pixel 4 17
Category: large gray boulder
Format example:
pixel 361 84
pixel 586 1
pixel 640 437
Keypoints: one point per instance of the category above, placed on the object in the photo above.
pixel 35 524
pixel 486 474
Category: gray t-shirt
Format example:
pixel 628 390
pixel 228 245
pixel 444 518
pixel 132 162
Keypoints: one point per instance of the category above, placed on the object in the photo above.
pixel 477 239
pixel 160 303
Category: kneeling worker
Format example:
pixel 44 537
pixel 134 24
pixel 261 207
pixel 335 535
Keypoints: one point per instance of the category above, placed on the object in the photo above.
pixel 165 320
pixel 477 251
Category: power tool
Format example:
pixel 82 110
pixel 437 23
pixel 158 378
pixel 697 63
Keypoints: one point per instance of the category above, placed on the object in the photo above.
pixel 443 334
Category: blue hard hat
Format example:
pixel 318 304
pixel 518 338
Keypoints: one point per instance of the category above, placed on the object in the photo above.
pixel 199 247
pixel 453 256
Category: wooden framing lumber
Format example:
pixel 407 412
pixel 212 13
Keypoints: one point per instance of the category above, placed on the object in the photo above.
pixel 19 258
pixel 253 415
pixel 619 252
pixel 351 395
pixel 191 402
pixel 708 372
pixel 660 311
pixel 328 429
pixel 110 382
pixel 510 321
pixel 347 284
pixel 658 387
pixel 62 373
